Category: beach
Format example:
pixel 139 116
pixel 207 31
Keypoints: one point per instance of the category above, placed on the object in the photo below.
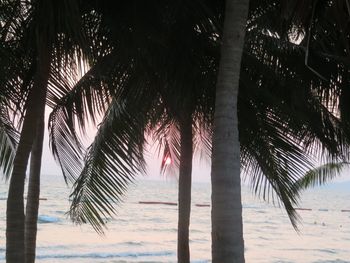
pixel 147 232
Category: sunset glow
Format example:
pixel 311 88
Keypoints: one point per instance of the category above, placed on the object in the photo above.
pixel 168 160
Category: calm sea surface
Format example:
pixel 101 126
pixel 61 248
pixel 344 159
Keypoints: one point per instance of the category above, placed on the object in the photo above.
pixel 147 233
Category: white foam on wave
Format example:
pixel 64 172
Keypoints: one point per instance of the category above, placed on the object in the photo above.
pixel 47 219
pixel 108 255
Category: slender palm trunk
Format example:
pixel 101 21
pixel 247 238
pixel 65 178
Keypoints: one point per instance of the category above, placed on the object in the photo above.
pixel 15 204
pixel 32 207
pixel 227 227
pixel 185 180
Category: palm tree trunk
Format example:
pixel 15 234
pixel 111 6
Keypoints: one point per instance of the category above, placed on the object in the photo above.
pixel 185 180
pixel 227 226
pixel 15 204
pixel 32 207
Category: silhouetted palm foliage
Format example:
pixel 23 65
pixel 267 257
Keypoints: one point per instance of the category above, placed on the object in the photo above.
pixel 141 73
pixel 8 139
pixel 142 76
pixel 28 30
pixel 283 126
pixel 321 175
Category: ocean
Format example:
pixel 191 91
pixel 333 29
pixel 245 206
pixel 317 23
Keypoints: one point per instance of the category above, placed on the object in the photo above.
pixel 147 233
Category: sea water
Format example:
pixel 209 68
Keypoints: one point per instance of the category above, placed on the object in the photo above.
pixel 147 233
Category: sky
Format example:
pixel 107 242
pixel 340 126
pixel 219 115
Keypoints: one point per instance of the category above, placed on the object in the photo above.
pixel 201 166
pixel 201 169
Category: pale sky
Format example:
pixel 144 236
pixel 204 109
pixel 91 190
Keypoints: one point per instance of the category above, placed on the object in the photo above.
pixel 201 168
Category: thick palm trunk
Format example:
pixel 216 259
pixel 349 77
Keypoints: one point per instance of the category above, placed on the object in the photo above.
pixel 185 180
pixel 15 204
pixel 32 207
pixel 227 227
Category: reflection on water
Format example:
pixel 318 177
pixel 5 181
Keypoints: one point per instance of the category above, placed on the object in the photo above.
pixel 147 233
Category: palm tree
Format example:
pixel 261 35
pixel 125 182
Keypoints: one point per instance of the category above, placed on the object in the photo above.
pixel 227 240
pixel 227 226
pixel 51 39
pixel 276 179
pixel 15 205
pixel 32 206
pixel 181 118
pixel 168 120
pixel 10 40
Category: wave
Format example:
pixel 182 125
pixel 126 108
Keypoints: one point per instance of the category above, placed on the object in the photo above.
pixel 332 261
pixel 2 254
pixel 107 255
pixel 133 243
pixel 43 219
pixel 327 251
pixel 199 240
pixel 246 206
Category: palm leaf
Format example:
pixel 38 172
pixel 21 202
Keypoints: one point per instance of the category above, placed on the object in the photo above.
pixel 321 175
pixel 74 103
pixel 111 163
pixel 167 137
pixel 8 143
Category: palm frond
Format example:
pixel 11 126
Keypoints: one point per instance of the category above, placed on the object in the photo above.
pixel 8 143
pixel 272 161
pixel 167 137
pixel 111 163
pixel 321 175
pixel 202 138
pixel 76 103
pixel 284 125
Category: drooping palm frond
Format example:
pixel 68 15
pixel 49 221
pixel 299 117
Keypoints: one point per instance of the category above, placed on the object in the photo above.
pixel 104 76
pixel 17 72
pixel 272 155
pixel 272 164
pixel 111 163
pixel 153 117
pixel 116 154
pixel 299 92
pixel 321 175
pixel 167 138
pixel 8 142
pixel 317 129
pixel 203 132
pixel 284 124
pixel 75 103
